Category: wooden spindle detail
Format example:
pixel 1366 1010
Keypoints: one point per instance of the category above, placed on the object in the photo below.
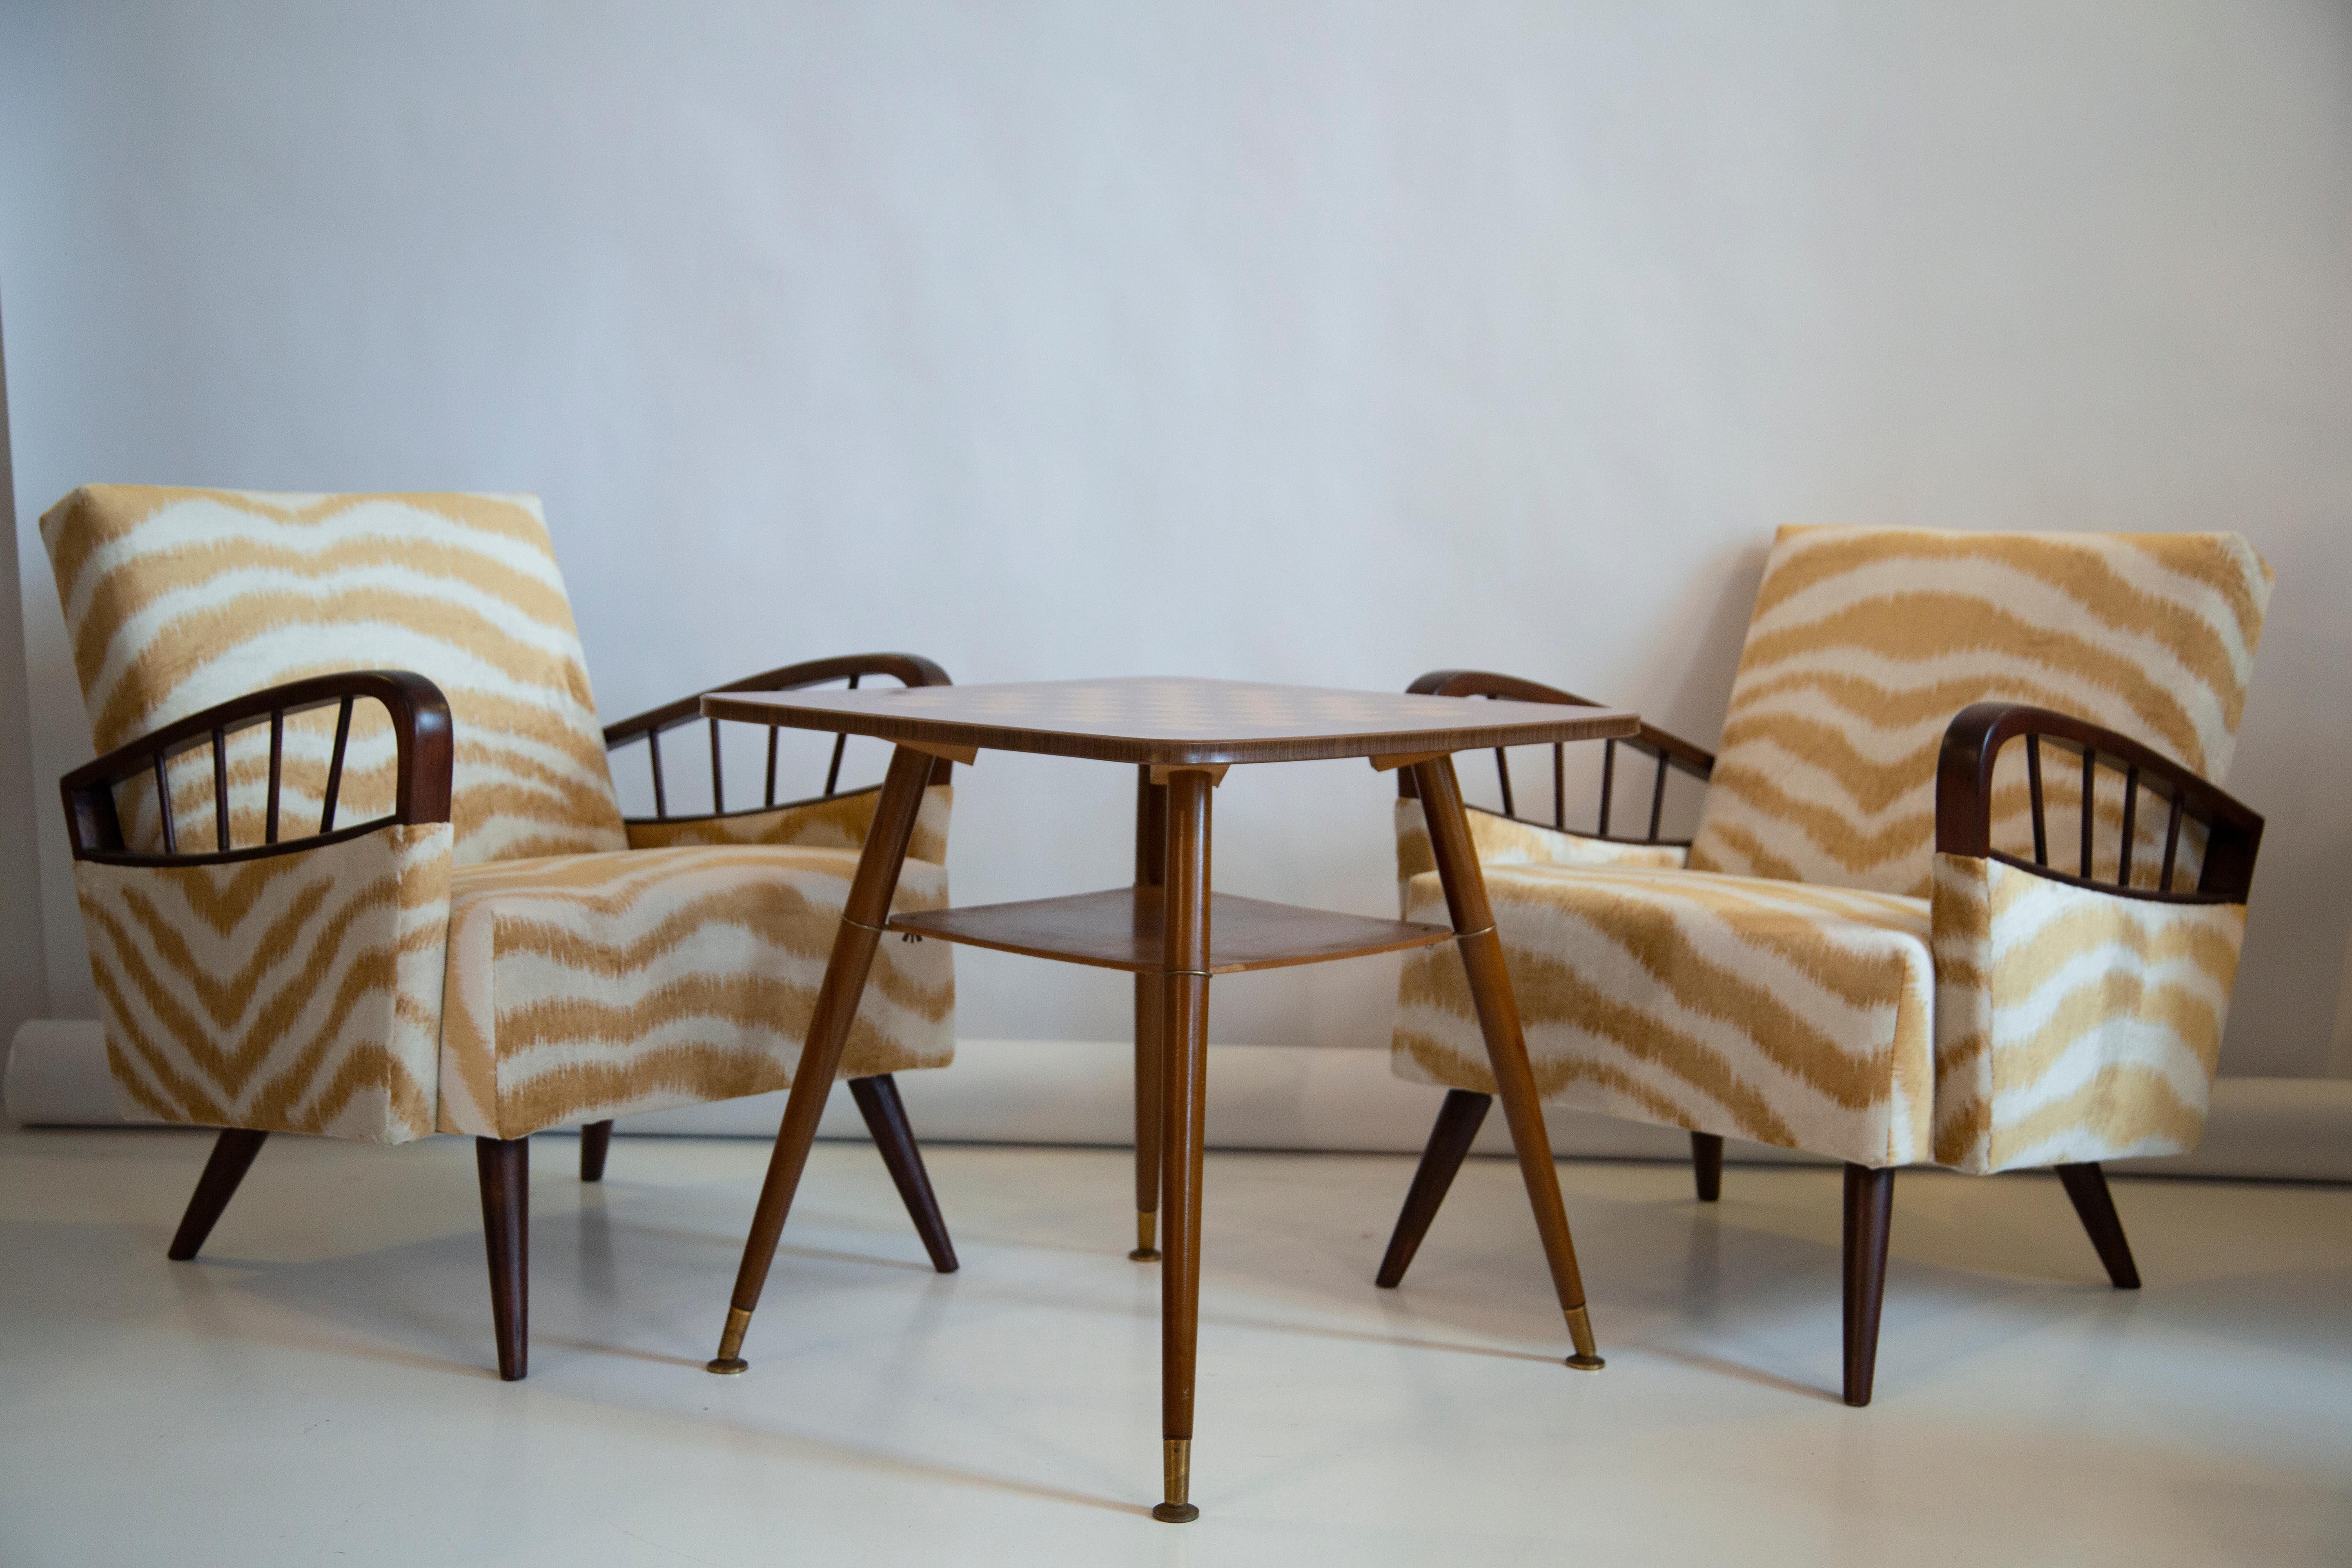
pixel 2131 805
pixel 277 764
pixel 1607 781
pixel 1560 787
pixel 335 766
pixel 2033 794
pixel 163 805
pixel 220 788
pixel 2090 780
pixel 1503 773
pixel 2171 845
pixel 840 744
pixel 661 797
pixel 773 732
pixel 718 773
pixel 1658 798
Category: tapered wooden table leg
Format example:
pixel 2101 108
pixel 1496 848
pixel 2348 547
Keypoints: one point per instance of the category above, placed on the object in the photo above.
pixel 863 915
pixel 1185 1052
pixel 1150 853
pixel 1507 1047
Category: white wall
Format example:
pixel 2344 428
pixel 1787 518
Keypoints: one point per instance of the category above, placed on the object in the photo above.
pixel 1327 342
pixel 24 978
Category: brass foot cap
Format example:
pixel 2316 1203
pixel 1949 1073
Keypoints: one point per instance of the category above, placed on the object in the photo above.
pixel 1175 1514
pixel 1586 1362
pixel 726 1365
pixel 1145 1255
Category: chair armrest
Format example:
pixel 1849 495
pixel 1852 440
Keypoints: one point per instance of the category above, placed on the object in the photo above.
pixel 906 669
pixel 1669 751
pixel 421 732
pixel 1963 801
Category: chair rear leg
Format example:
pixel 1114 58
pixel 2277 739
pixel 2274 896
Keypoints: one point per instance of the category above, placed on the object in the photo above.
pixel 1449 1145
pixel 595 1143
pixel 885 1118
pixel 2087 1185
pixel 1869 1217
pixel 232 1156
pixel 1706 1166
pixel 505 1168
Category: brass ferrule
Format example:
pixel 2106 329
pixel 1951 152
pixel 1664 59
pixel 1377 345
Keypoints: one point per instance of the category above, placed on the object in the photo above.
pixel 729 1358
pixel 1176 1462
pixel 1580 1332
pixel 1146 1232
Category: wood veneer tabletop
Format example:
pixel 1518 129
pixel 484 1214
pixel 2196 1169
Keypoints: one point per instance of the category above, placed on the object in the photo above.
pixel 1173 721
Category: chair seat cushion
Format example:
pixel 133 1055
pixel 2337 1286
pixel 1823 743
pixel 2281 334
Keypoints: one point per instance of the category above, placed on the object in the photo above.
pixel 1764 1009
pixel 586 986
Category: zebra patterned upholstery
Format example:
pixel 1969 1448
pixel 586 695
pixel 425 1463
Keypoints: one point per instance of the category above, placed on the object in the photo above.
pixel 1819 977
pixel 589 967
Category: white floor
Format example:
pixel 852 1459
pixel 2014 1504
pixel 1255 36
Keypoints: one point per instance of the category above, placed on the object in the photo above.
pixel 319 1386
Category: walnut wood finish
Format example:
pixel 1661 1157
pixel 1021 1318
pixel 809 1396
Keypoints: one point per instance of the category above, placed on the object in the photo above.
pixel 1150 853
pixel 1185 938
pixel 1869 1219
pixel 422 752
pixel 2086 1185
pixel 908 669
pixel 504 1164
pixel 863 914
pixel 1175 722
pixel 596 1143
pixel 1458 1119
pixel 1706 1166
pixel 1507 1050
pixel 886 1119
pixel 1121 928
pixel 232 1156
pixel 1964 786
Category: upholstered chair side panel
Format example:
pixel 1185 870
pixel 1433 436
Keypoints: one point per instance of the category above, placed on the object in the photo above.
pixel 591 987
pixel 841 823
pixel 1789 1015
pixel 1506 841
pixel 298 993
pixel 1866 642
pixel 176 600
pixel 2070 1024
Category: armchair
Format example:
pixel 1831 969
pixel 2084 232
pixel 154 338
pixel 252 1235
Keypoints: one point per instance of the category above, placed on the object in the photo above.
pixel 492 948
pixel 1866 951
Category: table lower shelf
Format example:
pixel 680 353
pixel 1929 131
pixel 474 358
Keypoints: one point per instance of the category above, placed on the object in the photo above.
pixel 1120 928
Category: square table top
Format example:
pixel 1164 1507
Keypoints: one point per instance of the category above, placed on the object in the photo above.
pixel 1174 720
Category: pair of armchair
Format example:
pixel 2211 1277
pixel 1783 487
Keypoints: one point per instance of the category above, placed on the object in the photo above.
pixel 325 898
pixel 1965 888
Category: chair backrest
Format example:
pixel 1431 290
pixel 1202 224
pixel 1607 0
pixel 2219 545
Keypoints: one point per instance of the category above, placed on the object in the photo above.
pixel 1868 641
pixel 176 600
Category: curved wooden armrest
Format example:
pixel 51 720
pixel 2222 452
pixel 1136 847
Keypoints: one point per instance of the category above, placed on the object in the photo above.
pixel 1670 751
pixel 1963 801
pixel 421 732
pixel 650 726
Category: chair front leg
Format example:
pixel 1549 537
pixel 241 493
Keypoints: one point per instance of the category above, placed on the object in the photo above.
pixel 1706 1166
pixel 232 1156
pixel 595 1143
pixel 504 1164
pixel 1869 1219
pixel 2086 1184
pixel 1449 1144
pixel 886 1119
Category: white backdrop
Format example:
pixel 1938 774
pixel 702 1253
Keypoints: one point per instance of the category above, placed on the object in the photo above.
pixel 1317 342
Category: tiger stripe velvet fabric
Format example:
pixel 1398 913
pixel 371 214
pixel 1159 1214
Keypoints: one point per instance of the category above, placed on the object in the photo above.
pixel 1818 978
pixel 589 987
pixel 178 599
pixel 1866 642
pixel 534 963
pixel 296 993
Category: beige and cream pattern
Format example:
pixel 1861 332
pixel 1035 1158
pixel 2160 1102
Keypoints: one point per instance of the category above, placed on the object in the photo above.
pixel 1820 978
pixel 298 993
pixel 176 600
pixel 2072 1026
pixel 533 962
pixel 589 986
pixel 1866 642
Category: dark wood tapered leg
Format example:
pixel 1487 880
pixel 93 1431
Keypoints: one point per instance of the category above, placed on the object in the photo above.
pixel 2087 1185
pixel 862 918
pixel 1869 1217
pixel 1150 1004
pixel 1449 1144
pixel 504 1164
pixel 885 1118
pixel 1706 1166
pixel 1507 1047
pixel 232 1156
pixel 595 1143
pixel 1184 1049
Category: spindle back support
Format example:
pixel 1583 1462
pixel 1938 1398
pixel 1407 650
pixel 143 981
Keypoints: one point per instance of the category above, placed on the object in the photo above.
pixel 1667 753
pixel 907 669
